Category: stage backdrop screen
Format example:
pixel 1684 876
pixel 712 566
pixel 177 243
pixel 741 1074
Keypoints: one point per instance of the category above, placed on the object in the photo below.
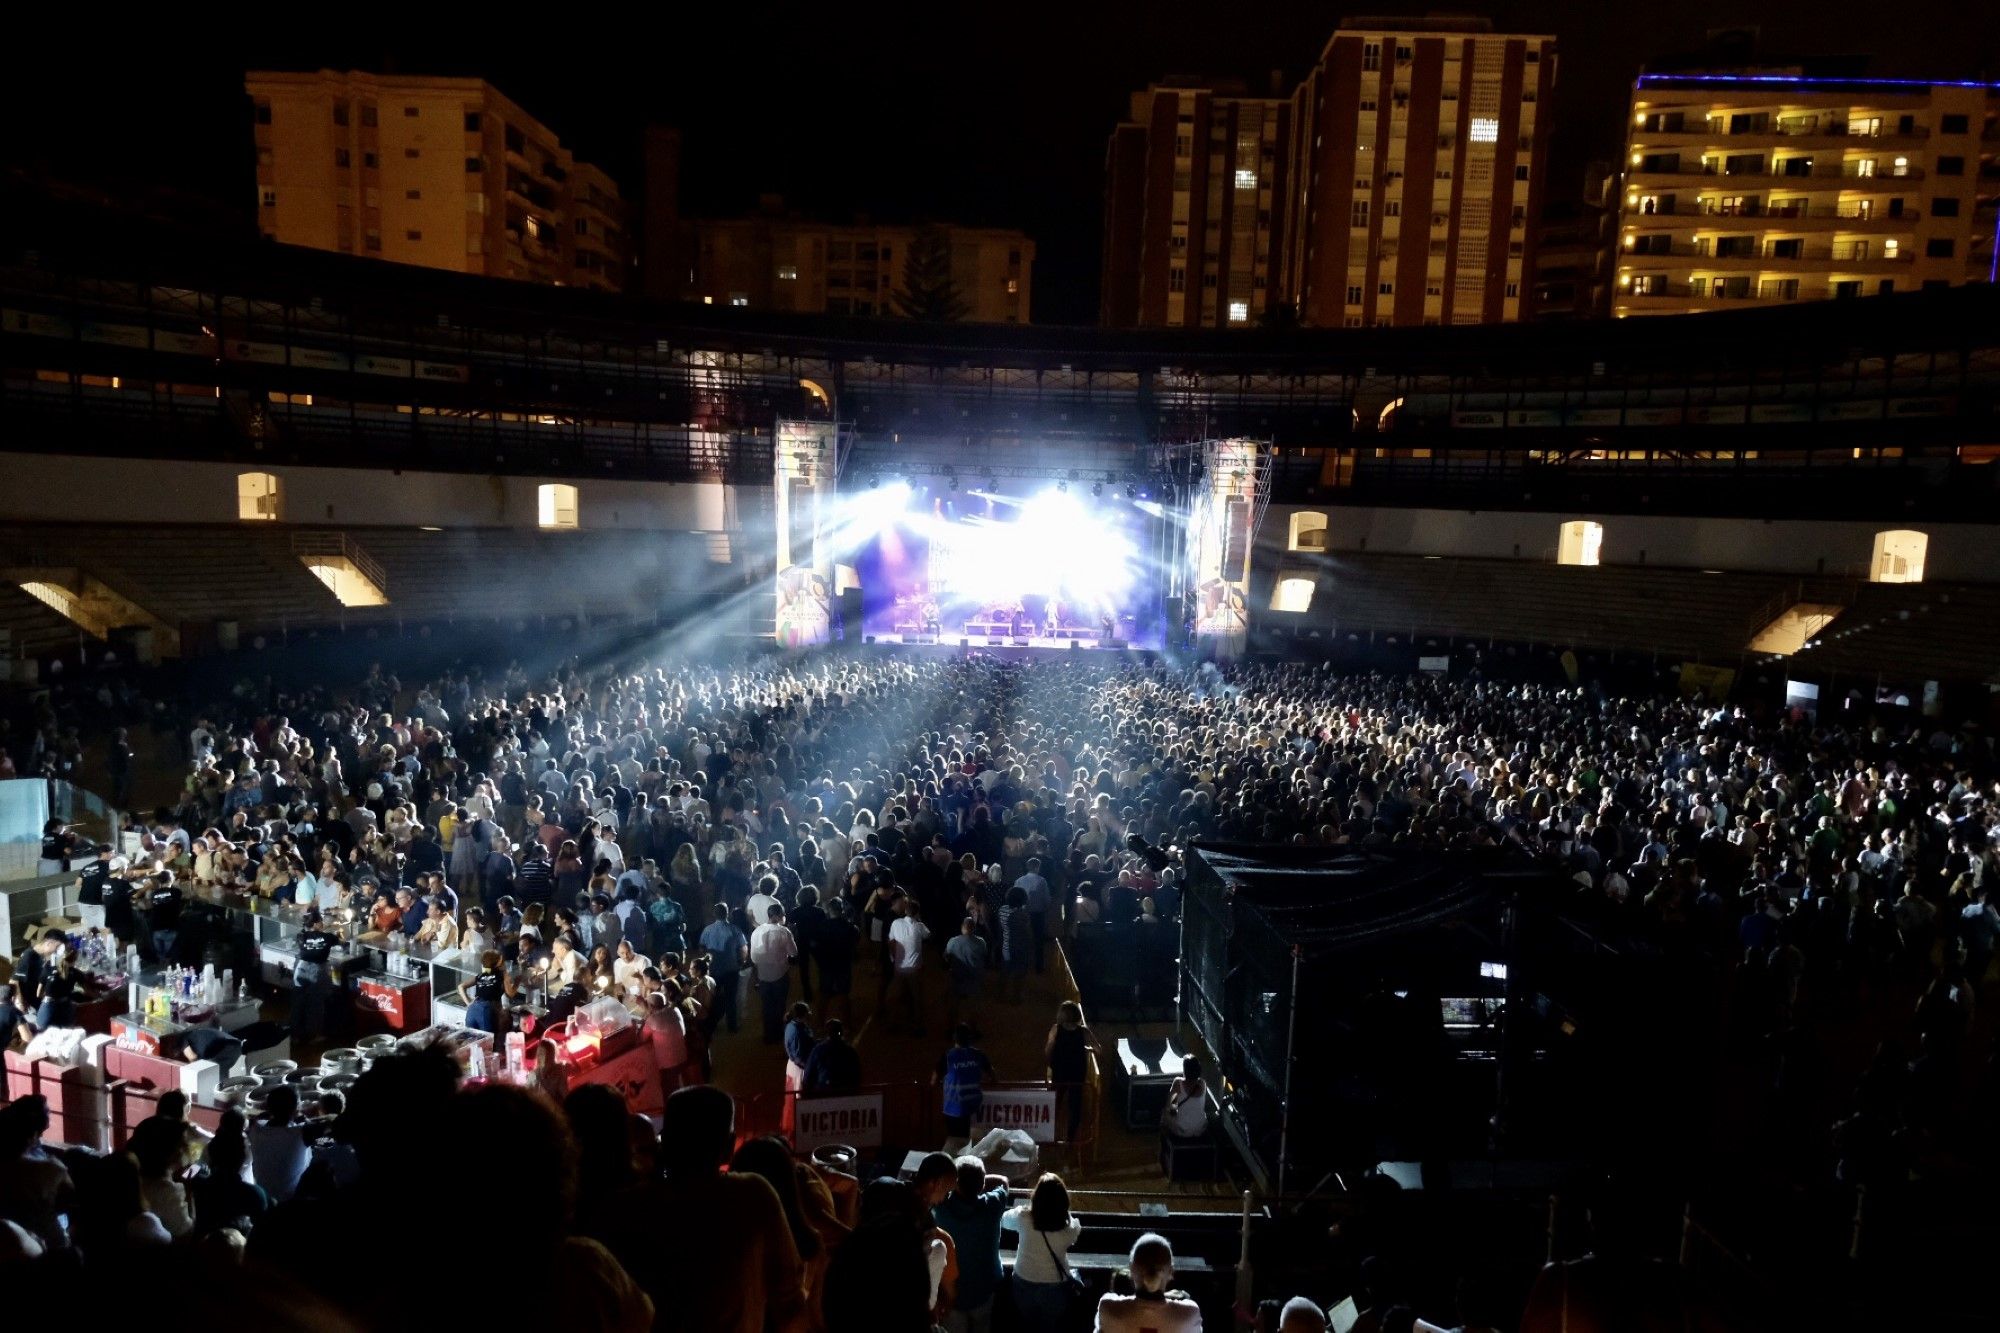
pixel 1049 564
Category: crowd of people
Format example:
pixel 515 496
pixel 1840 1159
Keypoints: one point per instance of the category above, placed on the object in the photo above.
pixel 677 836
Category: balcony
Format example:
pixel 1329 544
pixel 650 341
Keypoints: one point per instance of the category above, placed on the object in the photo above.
pixel 1707 294
pixel 1816 176
pixel 1865 254
pixel 1848 215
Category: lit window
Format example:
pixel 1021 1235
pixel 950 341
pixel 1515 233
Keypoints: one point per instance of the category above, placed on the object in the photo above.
pixel 1485 129
pixel 1246 180
pixel 1293 595
pixel 1581 540
pixel 1013 286
pixel 1899 556
pixel 1308 531
pixel 555 505
pixel 788 274
pixel 1239 312
pixel 738 298
pixel 260 497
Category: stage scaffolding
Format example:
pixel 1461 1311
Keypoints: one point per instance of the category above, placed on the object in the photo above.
pixel 1222 490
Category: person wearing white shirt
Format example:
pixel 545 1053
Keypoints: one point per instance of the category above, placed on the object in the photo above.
pixel 1151 1308
pixel 907 934
pixel 772 950
pixel 1041 1259
pixel 629 968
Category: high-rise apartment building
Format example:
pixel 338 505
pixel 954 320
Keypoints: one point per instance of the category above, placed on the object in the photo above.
pixel 1419 148
pixel 442 172
pixel 1573 250
pixel 1399 183
pixel 1194 184
pixel 772 262
pixel 1762 186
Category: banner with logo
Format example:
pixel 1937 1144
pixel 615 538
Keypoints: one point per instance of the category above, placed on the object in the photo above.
pixel 803 488
pixel 854 1121
pixel 1030 1110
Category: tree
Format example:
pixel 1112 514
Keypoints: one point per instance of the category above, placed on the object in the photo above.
pixel 928 293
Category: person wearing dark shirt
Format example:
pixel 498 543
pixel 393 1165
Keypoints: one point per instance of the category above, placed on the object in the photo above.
pixel 415 912
pixel 806 924
pixel 833 944
pixel 57 1006
pixel 90 880
pixel 563 1003
pixel 119 917
pixel 832 1065
pixel 484 995
pixel 799 1043
pixel 11 1015
pixel 533 878
pixel 213 1043
pixel 312 978
pixel 163 915
pixel 424 857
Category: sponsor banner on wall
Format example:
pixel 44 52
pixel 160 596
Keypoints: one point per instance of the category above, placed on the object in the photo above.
pixel 855 1122
pixel 1032 1111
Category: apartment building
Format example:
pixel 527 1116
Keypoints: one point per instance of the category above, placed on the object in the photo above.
pixel 1419 151
pixel 772 262
pixel 1574 250
pixel 443 172
pixel 1193 218
pixel 1768 186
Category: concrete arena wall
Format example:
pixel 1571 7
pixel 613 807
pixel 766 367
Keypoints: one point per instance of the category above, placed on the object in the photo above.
pixel 1957 552
pixel 49 488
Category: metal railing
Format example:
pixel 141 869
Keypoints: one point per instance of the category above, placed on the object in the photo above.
pixel 1856 210
pixel 340 544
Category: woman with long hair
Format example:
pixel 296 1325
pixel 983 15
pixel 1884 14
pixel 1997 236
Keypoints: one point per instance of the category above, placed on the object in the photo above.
pixel 770 1158
pixel 571 874
pixel 1041 1261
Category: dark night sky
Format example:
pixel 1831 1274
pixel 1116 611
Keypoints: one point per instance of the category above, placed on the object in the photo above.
pixel 965 113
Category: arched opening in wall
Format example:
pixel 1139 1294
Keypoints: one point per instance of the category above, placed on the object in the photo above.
pixel 555 506
pixel 1387 421
pixel 1308 532
pixel 1899 556
pixel 1292 594
pixel 260 497
pixel 1580 542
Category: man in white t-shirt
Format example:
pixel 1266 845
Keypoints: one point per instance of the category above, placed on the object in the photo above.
pixel 1151 1308
pixel 772 950
pixel 907 934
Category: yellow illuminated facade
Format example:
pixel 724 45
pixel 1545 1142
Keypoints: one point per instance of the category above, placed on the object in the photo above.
pixel 1744 190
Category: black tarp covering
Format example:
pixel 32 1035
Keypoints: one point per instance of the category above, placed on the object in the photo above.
pixel 1377 940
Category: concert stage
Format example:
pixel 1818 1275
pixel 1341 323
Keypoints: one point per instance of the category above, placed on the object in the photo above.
pixel 1056 643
